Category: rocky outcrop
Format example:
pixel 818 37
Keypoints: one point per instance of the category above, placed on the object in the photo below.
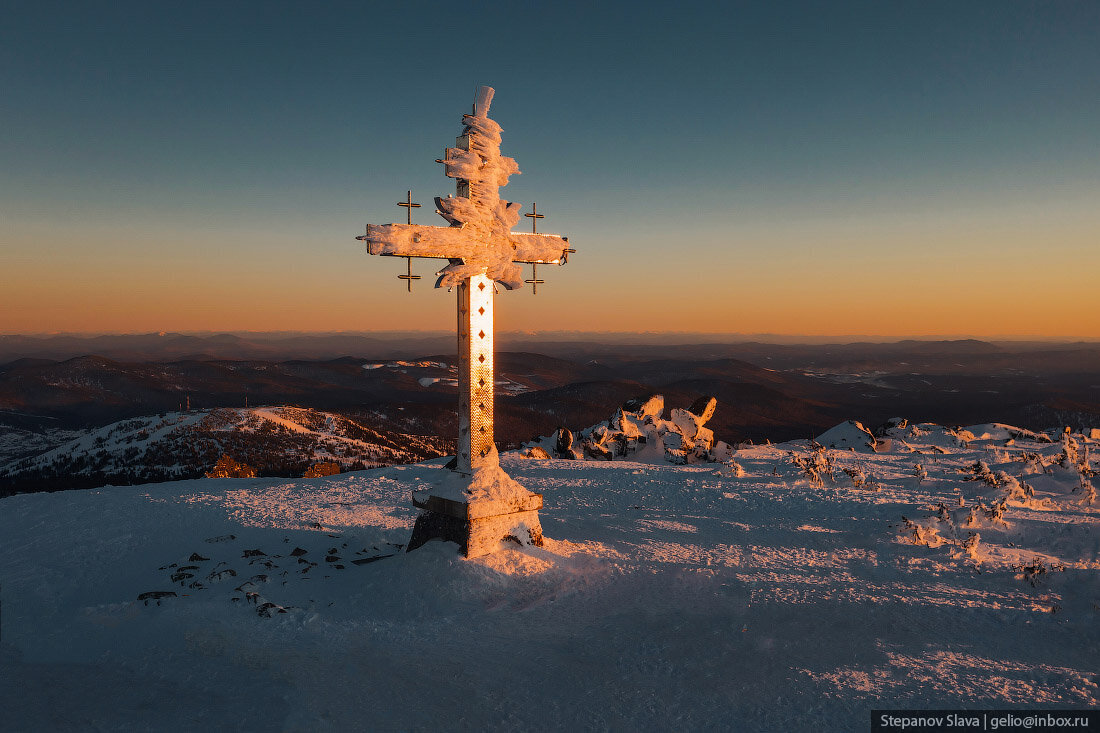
pixel 324 468
pixel 227 467
pixel 638 432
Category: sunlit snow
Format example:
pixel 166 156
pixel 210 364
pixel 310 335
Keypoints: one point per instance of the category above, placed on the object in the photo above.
pixel 794 587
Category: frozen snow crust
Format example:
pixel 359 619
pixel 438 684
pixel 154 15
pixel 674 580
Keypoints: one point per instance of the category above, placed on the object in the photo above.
pixel 790 587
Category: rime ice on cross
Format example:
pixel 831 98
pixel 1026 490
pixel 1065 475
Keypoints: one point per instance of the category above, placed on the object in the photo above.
pixel 481 250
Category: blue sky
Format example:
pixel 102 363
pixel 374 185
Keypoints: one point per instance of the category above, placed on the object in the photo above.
pixel 202 166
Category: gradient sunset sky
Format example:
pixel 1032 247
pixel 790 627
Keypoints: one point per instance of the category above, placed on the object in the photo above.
pixel 910 169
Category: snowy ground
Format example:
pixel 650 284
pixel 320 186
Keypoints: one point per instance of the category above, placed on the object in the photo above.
pixel 746 596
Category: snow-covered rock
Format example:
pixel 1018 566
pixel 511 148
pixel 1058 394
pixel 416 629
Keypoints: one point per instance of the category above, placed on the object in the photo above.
pixel 848 435
pixel 637 432
pixel 1000 431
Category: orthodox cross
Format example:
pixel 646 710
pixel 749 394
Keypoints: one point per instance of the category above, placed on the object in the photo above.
pixel 408 277
pixel 534 216
pixel 481 250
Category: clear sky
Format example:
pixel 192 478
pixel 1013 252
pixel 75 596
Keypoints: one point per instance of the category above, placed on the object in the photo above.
pixel 891 168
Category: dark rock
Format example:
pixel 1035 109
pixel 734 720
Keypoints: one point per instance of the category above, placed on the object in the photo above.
pixel 222 538
pixel 650 409
pixel 595 450
pixel 703 408
pixel 253 553
pixel 536 453
pixel 367 560
pixel 331 558
pixel 196 557
pixel 324 468
pixel 219 575
pixel 298 552
pixel 563 443
pixel 228 467
pixel 155 595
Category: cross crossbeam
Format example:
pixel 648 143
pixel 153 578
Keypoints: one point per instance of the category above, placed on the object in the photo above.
pixel 478 239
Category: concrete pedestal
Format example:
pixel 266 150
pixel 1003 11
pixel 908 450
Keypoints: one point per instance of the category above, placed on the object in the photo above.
pixel 477 526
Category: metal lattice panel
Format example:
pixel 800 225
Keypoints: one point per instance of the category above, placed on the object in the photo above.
pixel 475 371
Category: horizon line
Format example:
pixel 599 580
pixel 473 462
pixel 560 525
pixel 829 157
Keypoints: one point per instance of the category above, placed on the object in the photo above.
pixel 697 337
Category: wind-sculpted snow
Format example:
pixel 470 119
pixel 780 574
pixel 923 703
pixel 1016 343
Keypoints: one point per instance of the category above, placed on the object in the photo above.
pixel 790 586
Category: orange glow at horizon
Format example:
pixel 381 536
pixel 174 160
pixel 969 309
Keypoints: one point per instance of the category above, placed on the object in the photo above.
pixel 1022 276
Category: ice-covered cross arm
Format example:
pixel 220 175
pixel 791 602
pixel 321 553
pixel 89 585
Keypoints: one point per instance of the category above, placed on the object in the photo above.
pixel 478 240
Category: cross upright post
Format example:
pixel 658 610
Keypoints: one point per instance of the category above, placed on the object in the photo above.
pixel 477 504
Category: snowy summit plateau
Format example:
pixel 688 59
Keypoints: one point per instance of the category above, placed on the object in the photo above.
pixel 788 586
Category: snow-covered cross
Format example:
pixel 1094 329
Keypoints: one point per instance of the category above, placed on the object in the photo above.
pixel 481 250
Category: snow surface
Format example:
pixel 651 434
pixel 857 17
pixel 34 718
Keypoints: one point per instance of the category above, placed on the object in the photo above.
pixel 792 588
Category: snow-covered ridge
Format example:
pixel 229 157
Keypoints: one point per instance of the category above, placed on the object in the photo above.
pixel 276 440
pixel 900 435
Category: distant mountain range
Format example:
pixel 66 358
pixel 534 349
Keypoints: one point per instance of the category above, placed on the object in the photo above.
pixel 778 392
pixel 783 353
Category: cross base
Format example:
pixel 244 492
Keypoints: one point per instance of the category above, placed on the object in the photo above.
pixel 477 537
pixel 479 526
